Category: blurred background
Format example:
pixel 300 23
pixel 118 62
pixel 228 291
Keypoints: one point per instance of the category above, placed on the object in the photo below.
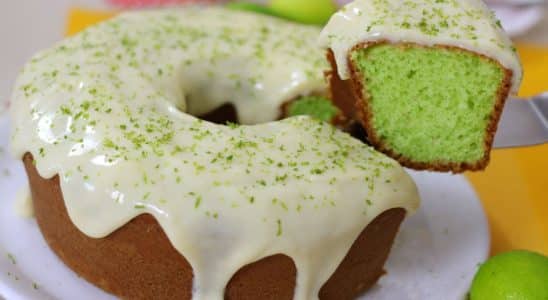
pixel 513 189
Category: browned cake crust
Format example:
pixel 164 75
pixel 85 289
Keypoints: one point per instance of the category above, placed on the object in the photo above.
pixel 350 96
pixel 137 261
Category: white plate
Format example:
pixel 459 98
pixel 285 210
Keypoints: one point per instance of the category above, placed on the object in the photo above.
pixel 434 257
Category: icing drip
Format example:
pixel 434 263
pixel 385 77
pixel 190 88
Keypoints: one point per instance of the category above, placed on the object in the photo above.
pixel 467 24
pixel 106 111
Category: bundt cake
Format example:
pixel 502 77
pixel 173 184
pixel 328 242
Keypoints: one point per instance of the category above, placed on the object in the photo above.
pixel 147 201
pixel 427 79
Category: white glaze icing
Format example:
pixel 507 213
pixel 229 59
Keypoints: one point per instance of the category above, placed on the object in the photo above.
pixel 105 111
pixel 467 24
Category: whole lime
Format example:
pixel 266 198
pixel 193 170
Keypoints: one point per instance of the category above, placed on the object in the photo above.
pixel 514 275
pixel 304 11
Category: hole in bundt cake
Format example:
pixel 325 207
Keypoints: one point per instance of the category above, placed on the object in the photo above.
pixel 316 106
pixel 224 114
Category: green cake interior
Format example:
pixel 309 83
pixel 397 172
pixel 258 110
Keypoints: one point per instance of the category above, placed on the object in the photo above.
pixel 429 104
pixel 317 107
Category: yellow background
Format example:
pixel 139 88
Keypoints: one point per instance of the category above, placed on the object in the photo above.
pixel 513 189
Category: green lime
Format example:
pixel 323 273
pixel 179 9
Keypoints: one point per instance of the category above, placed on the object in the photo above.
pixel 514 275
pixel 249 6
pixel 304 11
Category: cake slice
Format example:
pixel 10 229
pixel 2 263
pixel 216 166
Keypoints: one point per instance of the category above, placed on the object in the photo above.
pixel 427 79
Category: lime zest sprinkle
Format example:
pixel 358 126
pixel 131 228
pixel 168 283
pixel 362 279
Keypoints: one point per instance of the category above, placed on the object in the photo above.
pixel 12 259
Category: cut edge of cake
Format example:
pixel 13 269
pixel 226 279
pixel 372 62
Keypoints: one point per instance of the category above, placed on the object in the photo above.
pixel 343 90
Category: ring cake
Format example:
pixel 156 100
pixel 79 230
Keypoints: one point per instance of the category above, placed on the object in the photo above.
pixel 145 200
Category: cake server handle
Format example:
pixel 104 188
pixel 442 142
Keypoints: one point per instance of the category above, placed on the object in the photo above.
pixel 524 122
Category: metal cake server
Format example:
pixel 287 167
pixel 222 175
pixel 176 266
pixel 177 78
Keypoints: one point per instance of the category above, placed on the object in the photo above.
pixel 524 122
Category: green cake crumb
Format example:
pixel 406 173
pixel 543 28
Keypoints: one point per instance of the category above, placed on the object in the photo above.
pixel 318 107
pixel 430 104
